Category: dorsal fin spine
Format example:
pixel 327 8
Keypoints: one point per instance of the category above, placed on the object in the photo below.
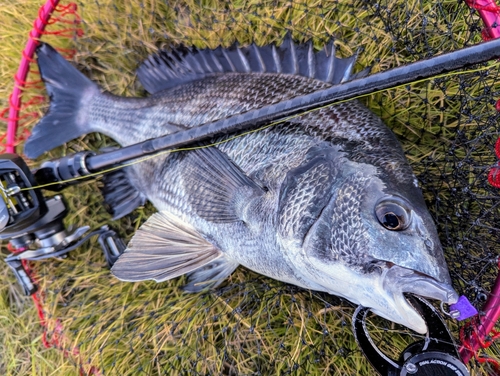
pixel 259 57
pixel 349 70
pixel 226 56
pixel 215 61
pixel 331 62
pixel 276 59
pixel 293 53
pixel 311 60
pixel 167 72
pixel 237 58
pixel 183 64
pixel 244 60
pixel 205 62
pixel 195 64
pixel 221 61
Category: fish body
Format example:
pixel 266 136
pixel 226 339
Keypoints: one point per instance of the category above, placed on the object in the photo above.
pixel 326 200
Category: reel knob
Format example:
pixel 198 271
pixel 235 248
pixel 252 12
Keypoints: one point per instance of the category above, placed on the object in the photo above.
pixel 4 214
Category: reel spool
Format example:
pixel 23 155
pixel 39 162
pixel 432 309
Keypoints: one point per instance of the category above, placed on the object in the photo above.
pixel 19 208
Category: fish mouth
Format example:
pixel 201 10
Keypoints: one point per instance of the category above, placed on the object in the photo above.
pixel 396 281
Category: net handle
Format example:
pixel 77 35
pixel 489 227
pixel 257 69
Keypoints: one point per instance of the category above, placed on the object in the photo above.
pixel 15 99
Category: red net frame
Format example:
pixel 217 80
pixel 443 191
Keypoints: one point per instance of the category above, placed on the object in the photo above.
pixel 479 333
pixel 475 335
pixel 490 14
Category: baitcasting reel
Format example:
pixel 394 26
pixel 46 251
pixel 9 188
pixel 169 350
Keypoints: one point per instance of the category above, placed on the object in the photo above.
pixel 33 224
pixel 435 355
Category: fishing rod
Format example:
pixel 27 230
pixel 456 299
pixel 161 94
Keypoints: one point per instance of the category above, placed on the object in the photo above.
pixel 34 226
pixel 63 171
pixel 352 89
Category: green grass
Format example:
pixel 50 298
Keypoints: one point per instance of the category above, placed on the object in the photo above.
pixel 252 323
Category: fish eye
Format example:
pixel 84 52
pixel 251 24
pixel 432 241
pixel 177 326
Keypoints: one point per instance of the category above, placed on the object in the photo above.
pixel 393 214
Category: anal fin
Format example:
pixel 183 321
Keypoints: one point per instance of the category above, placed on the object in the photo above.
pixel 163 248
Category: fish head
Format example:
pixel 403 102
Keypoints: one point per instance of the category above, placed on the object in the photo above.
pixel 374 242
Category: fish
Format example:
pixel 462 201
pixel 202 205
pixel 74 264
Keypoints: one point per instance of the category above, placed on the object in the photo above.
pixel 326 200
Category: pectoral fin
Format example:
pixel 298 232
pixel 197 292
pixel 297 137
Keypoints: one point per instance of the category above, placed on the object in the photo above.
pixel 164 248
pixel 217 189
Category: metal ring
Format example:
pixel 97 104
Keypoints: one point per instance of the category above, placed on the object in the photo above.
pixel 453 314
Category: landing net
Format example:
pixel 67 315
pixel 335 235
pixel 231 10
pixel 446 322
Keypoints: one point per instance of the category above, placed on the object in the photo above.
pixel 252 325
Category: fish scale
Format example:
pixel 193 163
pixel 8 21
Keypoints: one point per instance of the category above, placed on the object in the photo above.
pixel 347 236
pixel 317 200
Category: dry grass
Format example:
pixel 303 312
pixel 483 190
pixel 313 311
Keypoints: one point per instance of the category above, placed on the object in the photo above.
pixel 252 324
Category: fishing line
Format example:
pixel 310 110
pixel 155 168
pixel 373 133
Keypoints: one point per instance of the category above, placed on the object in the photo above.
pixel 276 122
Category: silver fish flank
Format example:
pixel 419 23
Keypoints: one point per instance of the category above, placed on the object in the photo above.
pixel 326 201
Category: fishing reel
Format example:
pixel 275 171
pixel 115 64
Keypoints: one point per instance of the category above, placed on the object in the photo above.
pixel 34 224
pixel 436 354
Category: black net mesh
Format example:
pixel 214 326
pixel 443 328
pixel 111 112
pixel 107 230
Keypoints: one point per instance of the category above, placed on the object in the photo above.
pixel 252 324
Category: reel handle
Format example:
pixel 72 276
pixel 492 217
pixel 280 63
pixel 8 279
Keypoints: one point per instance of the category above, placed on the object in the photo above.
pixel 22 277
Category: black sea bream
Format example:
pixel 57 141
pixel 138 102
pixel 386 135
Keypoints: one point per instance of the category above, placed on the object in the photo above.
pixel 326 201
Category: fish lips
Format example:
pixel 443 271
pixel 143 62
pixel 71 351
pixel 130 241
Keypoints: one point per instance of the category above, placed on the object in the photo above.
pixel 397 281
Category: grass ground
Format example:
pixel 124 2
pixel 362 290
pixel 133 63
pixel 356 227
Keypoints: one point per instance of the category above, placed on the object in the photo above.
pixel 252 325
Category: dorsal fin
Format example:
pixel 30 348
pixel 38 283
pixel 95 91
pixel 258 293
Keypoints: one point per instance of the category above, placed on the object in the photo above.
pixel 171 68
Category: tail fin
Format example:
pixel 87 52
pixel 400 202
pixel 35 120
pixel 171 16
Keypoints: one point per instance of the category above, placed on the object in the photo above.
pixel 69 92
